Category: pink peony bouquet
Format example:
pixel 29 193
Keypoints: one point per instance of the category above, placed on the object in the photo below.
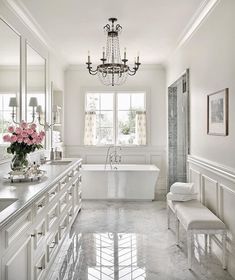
pixel 24 139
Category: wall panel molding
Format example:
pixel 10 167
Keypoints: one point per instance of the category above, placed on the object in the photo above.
pixel 219 169
pixel 217 191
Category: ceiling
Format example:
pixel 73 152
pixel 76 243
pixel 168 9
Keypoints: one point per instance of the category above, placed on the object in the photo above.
pixel 152 27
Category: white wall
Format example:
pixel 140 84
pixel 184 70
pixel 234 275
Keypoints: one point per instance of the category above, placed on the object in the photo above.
pixel 150 78
pixel 209 54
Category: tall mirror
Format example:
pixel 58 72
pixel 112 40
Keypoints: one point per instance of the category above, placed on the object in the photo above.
pixel 9 76
pixel 35 87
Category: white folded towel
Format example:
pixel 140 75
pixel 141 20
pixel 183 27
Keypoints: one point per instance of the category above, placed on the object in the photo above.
pixel 182 188
pixel 181 197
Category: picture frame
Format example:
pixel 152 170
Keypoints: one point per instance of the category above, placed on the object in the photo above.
pixel 217 113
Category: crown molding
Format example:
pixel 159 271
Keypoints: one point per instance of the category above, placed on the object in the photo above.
pixel 201 14
pixel 191 28
pixel 23 14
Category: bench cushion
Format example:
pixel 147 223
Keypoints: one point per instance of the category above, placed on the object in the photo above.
pixel 172 204
pixel 193 215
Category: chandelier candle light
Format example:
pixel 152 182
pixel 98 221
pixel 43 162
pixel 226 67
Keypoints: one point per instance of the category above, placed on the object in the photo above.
pixel 113 70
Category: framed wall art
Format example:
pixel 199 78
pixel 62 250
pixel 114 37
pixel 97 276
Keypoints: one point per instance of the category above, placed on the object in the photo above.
pixel 217 113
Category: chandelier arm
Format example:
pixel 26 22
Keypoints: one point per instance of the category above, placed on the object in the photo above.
pixel 92 72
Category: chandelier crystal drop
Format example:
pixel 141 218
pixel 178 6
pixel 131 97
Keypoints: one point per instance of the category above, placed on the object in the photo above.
pixel 113 70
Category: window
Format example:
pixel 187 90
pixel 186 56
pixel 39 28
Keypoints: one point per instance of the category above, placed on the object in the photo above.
pixel 115 118
pixel 5 113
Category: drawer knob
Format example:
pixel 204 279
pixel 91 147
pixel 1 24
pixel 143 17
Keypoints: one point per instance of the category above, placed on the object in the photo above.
pixel 40 233
pixel 40 205
pixel 40 267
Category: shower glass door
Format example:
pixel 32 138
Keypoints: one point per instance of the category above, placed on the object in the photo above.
pixel 178 130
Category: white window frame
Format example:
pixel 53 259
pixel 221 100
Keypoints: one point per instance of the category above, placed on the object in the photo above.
pixel 115 111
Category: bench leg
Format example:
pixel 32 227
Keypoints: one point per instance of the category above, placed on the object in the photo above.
pixel 189 245
pixel 168 217
pixel 206 241
pixel 224 235
pixel 177 223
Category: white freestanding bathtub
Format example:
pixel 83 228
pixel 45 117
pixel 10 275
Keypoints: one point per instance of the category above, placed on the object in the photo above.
pixel 127 182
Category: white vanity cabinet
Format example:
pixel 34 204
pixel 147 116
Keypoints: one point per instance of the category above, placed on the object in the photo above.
pixel 31 241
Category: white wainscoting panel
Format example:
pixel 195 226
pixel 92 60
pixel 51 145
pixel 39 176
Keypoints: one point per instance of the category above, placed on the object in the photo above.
pixel 209 195
pixel 130 155
pixel 195 176
pixel 216 184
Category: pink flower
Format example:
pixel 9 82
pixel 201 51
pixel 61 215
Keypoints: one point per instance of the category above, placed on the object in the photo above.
pixel 19 139
pixel 39 140
pixel 24 133
pixel 30 131
pixel 34 140
pixel 6 138
pixel 13 139
pixel 42 134
pixel 24 125
pixel 18 130
pixel 33 126
pixel 26 140
pixel 35 135
pixel 11 129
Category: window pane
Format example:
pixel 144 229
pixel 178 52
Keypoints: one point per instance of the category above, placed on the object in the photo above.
pixel 106 118
pixel 123 101
pixel 106 101
pixel 105 136
pixel 92 102
pixel 126 127
pixel 137 101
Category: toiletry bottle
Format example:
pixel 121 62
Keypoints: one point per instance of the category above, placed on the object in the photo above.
pixel 52 154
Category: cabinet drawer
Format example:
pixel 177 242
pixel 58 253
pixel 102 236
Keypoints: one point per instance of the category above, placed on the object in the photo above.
pixel 52 246
pixel 63 226
pixel 53 193
pixel 39 234
pixel 70 192
pixel 40 267
pixel 63 202
pixel 52 216
pixel 18 228
pixel 40 204
pixel 70 175
pixel 70 214
pixel 63 182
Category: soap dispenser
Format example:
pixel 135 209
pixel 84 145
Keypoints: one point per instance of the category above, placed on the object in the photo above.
pixel 52 154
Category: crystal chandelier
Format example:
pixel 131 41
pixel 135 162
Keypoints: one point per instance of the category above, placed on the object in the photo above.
pixel 113 70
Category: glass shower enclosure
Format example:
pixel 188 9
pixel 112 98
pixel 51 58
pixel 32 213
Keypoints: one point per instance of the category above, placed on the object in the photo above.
pixel 178 129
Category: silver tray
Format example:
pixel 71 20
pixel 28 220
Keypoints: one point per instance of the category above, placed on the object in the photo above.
pixel 24 176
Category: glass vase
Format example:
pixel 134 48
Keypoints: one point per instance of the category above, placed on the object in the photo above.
pixel 19 162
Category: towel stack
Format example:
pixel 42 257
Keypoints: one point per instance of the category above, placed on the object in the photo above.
pixel 182 192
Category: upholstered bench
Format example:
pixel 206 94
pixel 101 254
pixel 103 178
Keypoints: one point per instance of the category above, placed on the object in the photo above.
pixel 196 219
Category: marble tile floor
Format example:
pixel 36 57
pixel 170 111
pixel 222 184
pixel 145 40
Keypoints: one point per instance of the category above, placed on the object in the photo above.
pixel 130 241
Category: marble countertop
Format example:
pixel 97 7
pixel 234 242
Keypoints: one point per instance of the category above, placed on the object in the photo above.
pixel 28 192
